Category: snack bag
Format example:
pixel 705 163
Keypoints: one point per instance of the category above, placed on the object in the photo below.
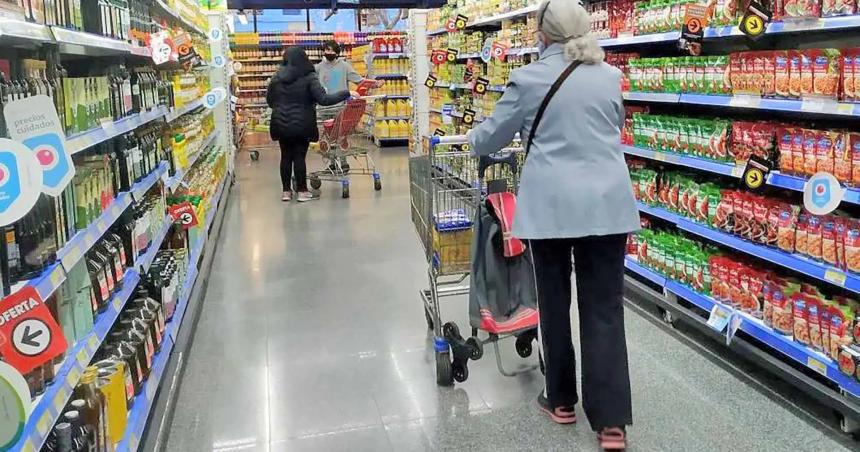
pixel 783 320
pixel 784 135
pixel 795 74
pixel 781 73
pixel 809 152
pixel 813 237
pixel 801 237
pixel 767 305
pixel 813 307
pixel 841 157
pixel 801 320
pixel 849 90
pixel 786 232
pixel 758 232
pixel 841 231
pixel 852 143
pixel 828 242
pixel 852 248
pixel 826 71
pixel 807 72
pixel 824 321
pixel 799 162
pixel 824 151
pixel 831 8
pixel 772 233
pixel 801 8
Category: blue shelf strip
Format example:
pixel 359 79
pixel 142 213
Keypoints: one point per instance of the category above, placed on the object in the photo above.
pixel 50 404
pixel 800 264
pixel 775 179
pixel 757 329
pixel 139 189
pixel 143 403
pixel 184 109
pixel 74 250
pixel 84 140
pixel 806 106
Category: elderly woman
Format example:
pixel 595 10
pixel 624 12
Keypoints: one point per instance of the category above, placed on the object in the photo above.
pixel 574 196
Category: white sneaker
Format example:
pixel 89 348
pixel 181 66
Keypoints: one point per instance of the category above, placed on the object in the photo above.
pixel 287 196
pixel 305 196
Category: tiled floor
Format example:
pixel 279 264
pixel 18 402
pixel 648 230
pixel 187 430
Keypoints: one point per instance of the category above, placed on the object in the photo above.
pixel 312 338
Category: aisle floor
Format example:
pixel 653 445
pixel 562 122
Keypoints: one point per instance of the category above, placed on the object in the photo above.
pixel 312 338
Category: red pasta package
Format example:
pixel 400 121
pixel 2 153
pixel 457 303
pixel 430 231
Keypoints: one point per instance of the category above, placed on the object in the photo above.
pixel 784 134
pixel 831 8
pixel 801 8
pixel 852 140
pixel 826 64
pixel 824 151
pixel 849 87
pixel 841 158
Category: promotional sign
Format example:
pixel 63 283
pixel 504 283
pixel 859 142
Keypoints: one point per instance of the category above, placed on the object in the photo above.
pixel 161 47
pixel 34 122
pixel 468 73
pixel 719 318
pixel 499 50
pixel 214 97
pixel 487 50
pixel 756 172
pixel 438 57
pixel 188 57
pixel 183 214
pixel 431 81
pixel 20 180
pixel 822 194
pixel 755 20
pixel 451 25
pixel 439 133
pixel 460 22
pixel 219 61
pixel 29 335
pixel 14 405
pixel 468 116
pixel 215 34
pixel 695 21
pixel 451 55
pixel 481 85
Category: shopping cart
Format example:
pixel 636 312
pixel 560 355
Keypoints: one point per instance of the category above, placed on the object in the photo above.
pixel 446 187
pixel 341 140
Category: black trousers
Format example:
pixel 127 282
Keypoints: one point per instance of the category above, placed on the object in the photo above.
pixel 293 153
pixel 599 262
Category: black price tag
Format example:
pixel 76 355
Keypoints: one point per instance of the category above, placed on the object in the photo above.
pixel 481 85
pixel 438 133
pixel 431 81
pixel 468 116
pixel 755 20
pixel 451 55
pixel 460 22
pixel 756 172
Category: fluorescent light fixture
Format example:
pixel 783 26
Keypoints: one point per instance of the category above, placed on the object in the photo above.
pixel 243 18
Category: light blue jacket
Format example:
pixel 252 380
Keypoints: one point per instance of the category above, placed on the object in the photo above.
pixel 575 182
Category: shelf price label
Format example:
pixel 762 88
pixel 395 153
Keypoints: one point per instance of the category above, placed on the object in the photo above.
pixel 438 133
pixel 719 318
pixel 816 365
pixel 835 276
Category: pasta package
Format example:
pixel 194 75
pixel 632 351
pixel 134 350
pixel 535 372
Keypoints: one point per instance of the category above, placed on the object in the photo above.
pixel 795 73
pixel 826 65
pixel 842 158
pixel 784 135
pixel 807 72
pixel 801 9
pixel 831 8
pixel 782 71
pixel 849 85
pixel 852 140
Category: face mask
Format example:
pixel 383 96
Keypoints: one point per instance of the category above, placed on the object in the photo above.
pixel 330 56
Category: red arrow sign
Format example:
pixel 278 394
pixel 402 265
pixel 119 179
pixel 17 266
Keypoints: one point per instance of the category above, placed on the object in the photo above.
pixel 29 335
pixel 184 214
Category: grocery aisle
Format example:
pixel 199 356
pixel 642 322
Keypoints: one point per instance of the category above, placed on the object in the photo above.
pixel 312 338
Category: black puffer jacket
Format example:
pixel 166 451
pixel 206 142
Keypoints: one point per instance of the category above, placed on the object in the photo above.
pixel 293 97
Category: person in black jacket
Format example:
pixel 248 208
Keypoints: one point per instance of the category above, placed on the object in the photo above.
pixel 292 95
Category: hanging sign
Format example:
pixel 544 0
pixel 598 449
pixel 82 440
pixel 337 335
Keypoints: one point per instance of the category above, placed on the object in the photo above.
pixel 695 21
pixel 187 56
pixel 214 97
pixel 451 55
pixel 439 133
pixel 719 317
pixel 756 172
pixel 215 34
pixel 161 47
pixel 15 405
pixel 451 25
pixel 822 194
pixel 34 122
pixel 438 57
pixel 20 180
pixel 183 214
pixel 431 81
pixel 29 335
pixel 481 85
pixel 487 50
pixel 755 20
pixel 468 116
pixel 499 50
pixel 219 61
pixel 460 22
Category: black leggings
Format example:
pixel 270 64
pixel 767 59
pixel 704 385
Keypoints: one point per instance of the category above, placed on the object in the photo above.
pixel 293 153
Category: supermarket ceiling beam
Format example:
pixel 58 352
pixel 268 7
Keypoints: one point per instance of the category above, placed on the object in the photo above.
pixel 327 4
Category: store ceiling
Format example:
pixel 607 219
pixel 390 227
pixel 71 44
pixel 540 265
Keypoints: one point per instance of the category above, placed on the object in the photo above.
pixel 327 4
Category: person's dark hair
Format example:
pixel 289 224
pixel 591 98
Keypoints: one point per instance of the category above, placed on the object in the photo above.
pixel 332 45
pixel 296 58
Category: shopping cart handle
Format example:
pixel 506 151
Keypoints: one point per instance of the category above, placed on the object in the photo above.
pixel 448 139
pixel 487 161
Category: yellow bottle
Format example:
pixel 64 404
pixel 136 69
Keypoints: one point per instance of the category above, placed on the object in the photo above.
pixel 379 109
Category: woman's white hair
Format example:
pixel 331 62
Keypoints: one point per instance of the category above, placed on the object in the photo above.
pixel 568 23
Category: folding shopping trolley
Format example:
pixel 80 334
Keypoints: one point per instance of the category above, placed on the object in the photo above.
pixel 341 139
pixel 447 189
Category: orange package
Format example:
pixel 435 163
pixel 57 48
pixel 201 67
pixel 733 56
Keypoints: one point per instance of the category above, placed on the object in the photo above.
pixel 807 73
pixel 736 75
pixel 852 140
pixel 842 158
pixel 784 135
pixel 849 90
pixel 781 73
pixel 810 158
pixel 799 164
pixel 795 73
pixel 824 150
pixel 766 65
pixel 826 65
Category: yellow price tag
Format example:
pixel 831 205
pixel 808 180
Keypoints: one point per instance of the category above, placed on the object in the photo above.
pixel 60 399
pixel 44 424
pixel 659 156
pixel 845 109
pixel 93 343
pixel 117 304
pixel 57 276
pixel 28 446
pixel 835 276
pixel 816 365
pixel 82 356
pixel 73 377
pixel 91 239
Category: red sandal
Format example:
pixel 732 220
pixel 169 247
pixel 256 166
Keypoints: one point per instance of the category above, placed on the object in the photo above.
pixel 612 438
pixel 560 415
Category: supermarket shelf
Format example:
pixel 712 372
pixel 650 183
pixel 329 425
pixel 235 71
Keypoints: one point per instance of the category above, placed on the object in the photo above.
pixel 395 96
pixel 390 76
pixel 809 267
pixel 142 186
pixel 496 88
pixel 392 55
pixel 255 90
pixel 49 406
pixel 498 18
pixel 257 60
pixel 256 74
pixel 466 56
pixel 162 7
pixel 14 31
pixel 90 44
pixel 80 243
pixel 145 259
pixel 184 109
pixel 634 266
pixel 106 131
pixel 794 26
pixel 390 140
pixel 815 106
pixel 435 110
pixel 140 51
pixel 640 39
pixel 775 179
pixel 252 105
pixel 390 118
pixel 173 182
pixel 145 401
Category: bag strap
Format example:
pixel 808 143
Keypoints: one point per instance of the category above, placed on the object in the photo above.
pixel 552 89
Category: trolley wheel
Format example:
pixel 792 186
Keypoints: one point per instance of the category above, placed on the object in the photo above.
pixel 460 371
pixel 377 184
pixel 345 192
pixel 451 332
pixel 429 319
pixel 315 183
pixel 255 155
pixel 444 374
pixel 524 346
pixel 477 348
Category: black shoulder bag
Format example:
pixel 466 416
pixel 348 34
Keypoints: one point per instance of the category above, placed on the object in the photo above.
pixel 555 86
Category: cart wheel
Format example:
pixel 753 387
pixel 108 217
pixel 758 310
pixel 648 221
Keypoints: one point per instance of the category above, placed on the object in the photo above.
pixel 345 192
pixel 377 184
pixel 450 331
pixel 477 348
pixel 444 374
pixel 315 183
pixel 524 346
pixel 429 320
pixel 255 155
pixel 461 372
